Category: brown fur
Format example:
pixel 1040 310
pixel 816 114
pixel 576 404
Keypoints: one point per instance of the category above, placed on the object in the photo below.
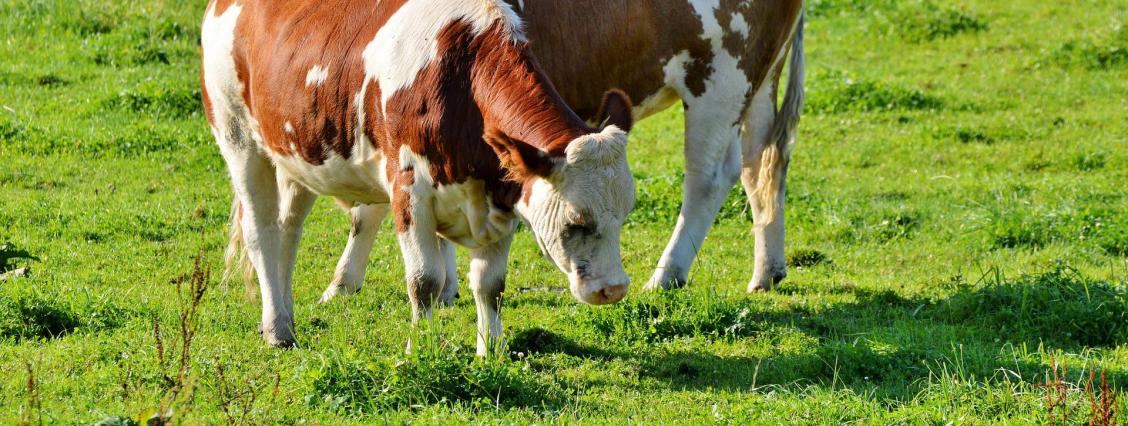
pixel 401 198
pixel 588 47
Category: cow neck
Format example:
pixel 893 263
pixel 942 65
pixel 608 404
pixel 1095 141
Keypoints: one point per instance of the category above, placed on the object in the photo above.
pixel 517 98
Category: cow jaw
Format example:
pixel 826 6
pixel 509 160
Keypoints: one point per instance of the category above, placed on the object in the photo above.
pixel 577 213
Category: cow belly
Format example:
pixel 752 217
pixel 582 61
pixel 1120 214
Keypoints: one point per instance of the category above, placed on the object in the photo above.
pixel 465 214
pixel 359 178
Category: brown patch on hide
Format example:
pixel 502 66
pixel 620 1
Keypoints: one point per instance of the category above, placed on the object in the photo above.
pixel 401 199
pixel 276 47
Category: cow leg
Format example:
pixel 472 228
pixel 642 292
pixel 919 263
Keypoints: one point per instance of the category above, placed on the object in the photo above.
pixel 712 167
pixel 770 263
pixel 487 282
pixel 424 265
pixel 296 201
pixel 450 287
pixel 349 276
pixel 253 178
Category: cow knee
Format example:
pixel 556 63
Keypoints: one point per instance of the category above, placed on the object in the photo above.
pixel 717 182
pixel 426 288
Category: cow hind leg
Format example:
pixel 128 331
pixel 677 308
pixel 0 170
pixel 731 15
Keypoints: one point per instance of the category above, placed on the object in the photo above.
pixel 349 276
pixel 712 168
pixel 759 157
pixel 767 142
pixel 450 287
pixel 296 201
pixel 253 179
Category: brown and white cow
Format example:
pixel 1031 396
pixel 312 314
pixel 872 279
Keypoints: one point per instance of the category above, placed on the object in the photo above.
pixel 721 58
pixel 434 110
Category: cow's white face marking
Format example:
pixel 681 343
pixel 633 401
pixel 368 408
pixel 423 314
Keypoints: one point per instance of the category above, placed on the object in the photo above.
pixel 408 42
pixel 316 76
pixel 576 215
pixel 288 127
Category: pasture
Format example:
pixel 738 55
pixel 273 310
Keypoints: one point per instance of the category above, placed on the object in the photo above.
pixel 957 226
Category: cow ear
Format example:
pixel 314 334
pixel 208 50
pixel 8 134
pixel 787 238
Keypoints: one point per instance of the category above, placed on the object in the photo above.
pixel 616 110
pixel 521 159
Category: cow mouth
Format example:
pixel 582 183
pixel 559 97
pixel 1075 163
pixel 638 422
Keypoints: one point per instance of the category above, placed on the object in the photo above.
pixel 597 291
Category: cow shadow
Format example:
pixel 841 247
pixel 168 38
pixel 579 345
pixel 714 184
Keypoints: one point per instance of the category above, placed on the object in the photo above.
pixel 881 343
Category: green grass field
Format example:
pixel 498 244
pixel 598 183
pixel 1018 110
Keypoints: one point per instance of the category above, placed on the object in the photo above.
pixel 957 218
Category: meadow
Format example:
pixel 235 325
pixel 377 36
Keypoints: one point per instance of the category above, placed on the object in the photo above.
pixel 957 242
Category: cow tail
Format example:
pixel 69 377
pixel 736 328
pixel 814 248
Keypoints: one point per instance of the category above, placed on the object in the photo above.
pixel 773 162
pixel 235 257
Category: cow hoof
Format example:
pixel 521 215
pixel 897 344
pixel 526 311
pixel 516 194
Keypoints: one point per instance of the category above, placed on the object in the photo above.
pixel 448 301
pixel 664 281
pixel 655 285
pixel 281 344
pixel 766 283
pixel 277 339
pixel 337 289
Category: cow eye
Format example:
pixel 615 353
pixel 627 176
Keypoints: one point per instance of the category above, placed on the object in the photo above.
pixel 579 229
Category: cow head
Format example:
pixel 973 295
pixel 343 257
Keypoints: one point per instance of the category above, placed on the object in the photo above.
pixel 576 204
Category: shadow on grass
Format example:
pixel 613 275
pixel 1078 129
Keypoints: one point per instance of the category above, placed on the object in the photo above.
pixel 882 344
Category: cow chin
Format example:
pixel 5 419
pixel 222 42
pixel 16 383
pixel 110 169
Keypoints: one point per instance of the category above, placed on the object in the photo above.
pixel 598 291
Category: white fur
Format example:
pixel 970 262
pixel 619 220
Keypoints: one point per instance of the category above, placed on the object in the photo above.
pixel 288 127
pixel 408 41
pixel 713 166
pixel 739 25
pixel 595 180
pixel 359 178
pixel 316 75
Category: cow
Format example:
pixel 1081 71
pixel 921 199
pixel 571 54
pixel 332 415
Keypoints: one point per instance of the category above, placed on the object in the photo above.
pixel 722 58
pixel 435 111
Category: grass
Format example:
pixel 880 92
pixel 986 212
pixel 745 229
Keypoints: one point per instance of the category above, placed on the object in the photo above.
pixel 957 239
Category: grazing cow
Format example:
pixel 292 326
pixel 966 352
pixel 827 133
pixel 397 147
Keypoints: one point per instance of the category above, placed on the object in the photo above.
pixel 721 58
pixel 434 110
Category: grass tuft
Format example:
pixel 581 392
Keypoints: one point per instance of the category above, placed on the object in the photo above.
pixel 1059 306
pixel 1103 53
pixel 926 21
pixel 158 100
pixel 835 92
pixel 30 318
pixel 806 258
pixel 670 315
pixel 352 385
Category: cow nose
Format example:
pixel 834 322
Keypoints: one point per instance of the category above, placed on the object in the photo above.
pixel 610 294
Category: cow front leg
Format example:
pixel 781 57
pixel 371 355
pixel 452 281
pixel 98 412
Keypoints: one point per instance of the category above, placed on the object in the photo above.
pixel 424 265
pixel 424 270
pixel 349 276
pixel 712 167
pixel 487 282
pixel 450 287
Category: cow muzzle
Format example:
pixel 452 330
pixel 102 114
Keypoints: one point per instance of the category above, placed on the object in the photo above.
pixel 600 291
